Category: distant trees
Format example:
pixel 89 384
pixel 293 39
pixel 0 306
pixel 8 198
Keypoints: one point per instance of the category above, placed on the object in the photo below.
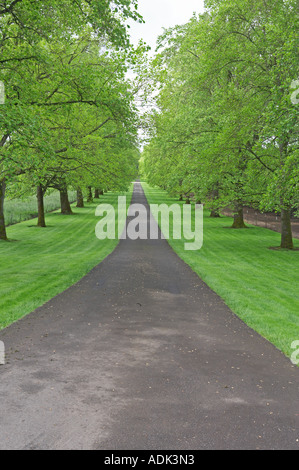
pixel 69 117
pixel 225 127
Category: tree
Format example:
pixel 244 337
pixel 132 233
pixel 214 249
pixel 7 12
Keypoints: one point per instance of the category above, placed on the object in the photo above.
pixel 44 54
pixel 225 113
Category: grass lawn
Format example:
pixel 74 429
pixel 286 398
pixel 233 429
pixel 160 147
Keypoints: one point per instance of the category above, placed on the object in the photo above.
pixel 258 284
pixel 17 210
pixel 39 263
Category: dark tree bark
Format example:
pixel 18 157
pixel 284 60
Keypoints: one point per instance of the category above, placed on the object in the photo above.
pixel 238 217
pixel 3 235
pixel 286 226
pixel 89 197
pixel 80 200
pixel 41 222
pixel 98 192
pixel 64 202
pixel 215 213
pixel 286 230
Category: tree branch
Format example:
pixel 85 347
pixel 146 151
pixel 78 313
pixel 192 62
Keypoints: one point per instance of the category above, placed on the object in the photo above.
pixel 10 7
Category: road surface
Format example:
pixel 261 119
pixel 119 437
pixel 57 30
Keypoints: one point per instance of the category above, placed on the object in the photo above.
pixel 142 355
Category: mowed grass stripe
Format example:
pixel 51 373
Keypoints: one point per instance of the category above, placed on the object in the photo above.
pixel 258 284
pixel 18 209
pixel 40 263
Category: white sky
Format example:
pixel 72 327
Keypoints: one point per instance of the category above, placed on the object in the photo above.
pixel 159 14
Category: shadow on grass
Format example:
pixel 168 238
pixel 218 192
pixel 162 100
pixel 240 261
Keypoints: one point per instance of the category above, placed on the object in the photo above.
pixel 37 226
pixel 237 228
pixel 278 248
pixel 68 215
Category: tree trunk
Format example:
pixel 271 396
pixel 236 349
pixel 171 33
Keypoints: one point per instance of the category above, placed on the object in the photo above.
pixel 41 222
pixel 286 226
pixel 80 200
pixel 188 200
pixel 89 197
pixel 64 202
pixel 3 235
pixel 286 230
pixel 215 213
pixel 238 217
pixel 98 193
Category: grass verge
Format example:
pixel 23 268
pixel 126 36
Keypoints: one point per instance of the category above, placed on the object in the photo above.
pixel 258 284
pixel 17 210
pixel 39 263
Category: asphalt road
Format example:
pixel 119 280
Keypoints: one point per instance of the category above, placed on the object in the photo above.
pixel 142 355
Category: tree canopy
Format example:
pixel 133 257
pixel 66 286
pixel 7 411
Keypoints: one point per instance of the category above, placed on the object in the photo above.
pixel 69 116
pixel 224 126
